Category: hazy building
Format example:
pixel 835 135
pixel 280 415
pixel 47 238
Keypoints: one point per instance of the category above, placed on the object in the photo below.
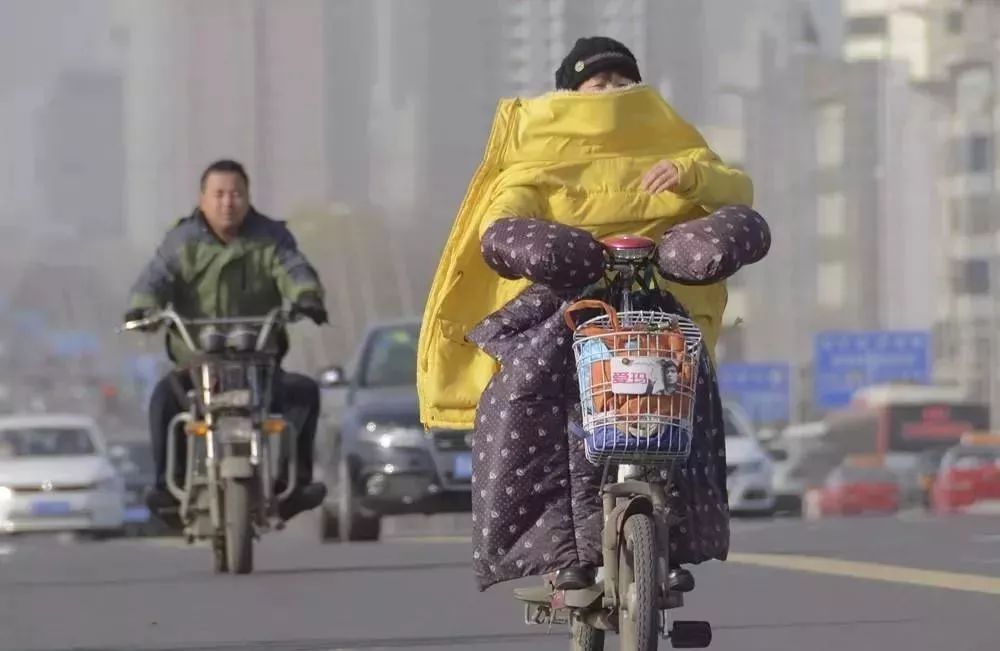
pixel 81 156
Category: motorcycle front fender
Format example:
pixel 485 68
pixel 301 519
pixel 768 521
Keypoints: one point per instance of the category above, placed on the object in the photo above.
pixel 236 468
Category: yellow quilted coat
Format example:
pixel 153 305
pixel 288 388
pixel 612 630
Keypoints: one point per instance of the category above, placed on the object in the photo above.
pixel 576 159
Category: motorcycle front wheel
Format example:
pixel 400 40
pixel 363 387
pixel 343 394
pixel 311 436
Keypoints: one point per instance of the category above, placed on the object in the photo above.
pixel 238 513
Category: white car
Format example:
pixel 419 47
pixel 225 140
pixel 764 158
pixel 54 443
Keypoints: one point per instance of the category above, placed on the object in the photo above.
pixel 749 469
pixel 55 475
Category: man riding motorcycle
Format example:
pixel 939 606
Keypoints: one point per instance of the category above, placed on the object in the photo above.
pixel 228 260
pixel 609 160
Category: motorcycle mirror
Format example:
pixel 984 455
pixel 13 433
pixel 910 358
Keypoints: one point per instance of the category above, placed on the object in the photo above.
pixel 332 377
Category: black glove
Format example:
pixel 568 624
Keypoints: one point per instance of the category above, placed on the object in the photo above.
pixel 311 306
pixel 139 313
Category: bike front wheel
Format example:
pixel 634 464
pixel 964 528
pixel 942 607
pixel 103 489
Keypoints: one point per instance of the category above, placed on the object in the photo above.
pixel 638 608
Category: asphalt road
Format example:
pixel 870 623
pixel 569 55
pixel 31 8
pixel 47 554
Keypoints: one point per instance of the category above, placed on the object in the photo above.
pixel 909 583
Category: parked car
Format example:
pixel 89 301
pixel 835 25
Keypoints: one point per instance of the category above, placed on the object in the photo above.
pixel 749 468
pixel 55 475
pixel 968 474
pixel 801 463
pixel 856 488
pixel 376 458
pixel 787 483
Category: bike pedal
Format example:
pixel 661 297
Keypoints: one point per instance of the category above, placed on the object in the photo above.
pixel 690 635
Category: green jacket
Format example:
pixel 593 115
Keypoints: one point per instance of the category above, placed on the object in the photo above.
pixel 202 277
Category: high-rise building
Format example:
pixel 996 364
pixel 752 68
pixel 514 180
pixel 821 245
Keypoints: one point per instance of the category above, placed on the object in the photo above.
pixel 952 52
pixel 969 349
pixel 81 156
pixel 231 79
pixel 846 174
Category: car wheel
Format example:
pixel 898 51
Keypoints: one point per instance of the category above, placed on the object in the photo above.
pixel 353 526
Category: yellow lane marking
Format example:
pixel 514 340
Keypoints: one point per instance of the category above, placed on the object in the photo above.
pixel 874 572
pixel 176 543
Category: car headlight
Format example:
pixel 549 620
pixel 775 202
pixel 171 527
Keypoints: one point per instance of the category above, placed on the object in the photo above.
pixel 6 494
pixel 390 435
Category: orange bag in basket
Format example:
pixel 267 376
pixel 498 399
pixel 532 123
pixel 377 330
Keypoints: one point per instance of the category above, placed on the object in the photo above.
pixel 669 345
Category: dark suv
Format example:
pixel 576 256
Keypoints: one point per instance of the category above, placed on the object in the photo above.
pixel 375 457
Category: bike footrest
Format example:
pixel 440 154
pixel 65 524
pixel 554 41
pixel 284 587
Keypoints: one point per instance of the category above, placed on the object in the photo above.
pixel 538 594
pixel 583 598
pixel 561 599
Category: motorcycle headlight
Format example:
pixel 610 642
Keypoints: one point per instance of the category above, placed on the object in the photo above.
pixel 234 430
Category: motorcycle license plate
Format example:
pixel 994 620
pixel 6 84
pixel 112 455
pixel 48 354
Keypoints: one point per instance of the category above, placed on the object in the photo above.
pixel 462 468
pixel 51 508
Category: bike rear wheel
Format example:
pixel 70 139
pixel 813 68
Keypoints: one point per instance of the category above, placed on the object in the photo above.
pixel 586 637
pixel 238 512
pixel 638 608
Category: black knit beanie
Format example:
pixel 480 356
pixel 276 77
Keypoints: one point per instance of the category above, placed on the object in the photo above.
pixel 592 55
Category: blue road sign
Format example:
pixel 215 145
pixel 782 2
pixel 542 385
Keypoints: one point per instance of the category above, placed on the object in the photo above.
pixel 844 362
pixel 763 390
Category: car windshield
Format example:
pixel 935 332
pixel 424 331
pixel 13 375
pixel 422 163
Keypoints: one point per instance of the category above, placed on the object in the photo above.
pixel 45 442
pixel 391 359
pixel 732 426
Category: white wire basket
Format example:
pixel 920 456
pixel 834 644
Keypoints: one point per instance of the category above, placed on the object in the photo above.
pixel 638 377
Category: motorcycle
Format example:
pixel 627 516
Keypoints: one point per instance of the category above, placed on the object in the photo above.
pixel 235 445
pixel 638 371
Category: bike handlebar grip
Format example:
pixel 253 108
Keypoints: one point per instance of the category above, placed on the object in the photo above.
pixel 590 304
pixel 556 255
pixel 710 249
